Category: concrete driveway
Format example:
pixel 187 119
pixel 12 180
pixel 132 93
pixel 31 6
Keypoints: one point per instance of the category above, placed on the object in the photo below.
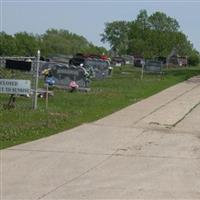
pixel 149 150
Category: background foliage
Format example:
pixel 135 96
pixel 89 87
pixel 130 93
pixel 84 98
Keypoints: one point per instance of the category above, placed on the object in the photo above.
pixel 150 36
pixel 52 42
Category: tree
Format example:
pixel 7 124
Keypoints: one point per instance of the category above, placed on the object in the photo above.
pixel 142 20
pixel 194 58
pixel 52 42
pixel 63 42
pixel 116 34
pixel 7 45
pixel 156 36
pixel 161 22
pixel 26 44
pixel 182 44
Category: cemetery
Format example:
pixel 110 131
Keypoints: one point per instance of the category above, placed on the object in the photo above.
pixel 68 109
pixel 81 69
pixel 40 97
pixel 109 109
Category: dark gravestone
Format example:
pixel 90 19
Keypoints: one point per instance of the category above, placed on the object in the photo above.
pixel 173 60
pixel 60 59
pixel 18 65
pixel 51 65
pixel 152 66
pixel 76 61
pixel 64 75
pixel 100 67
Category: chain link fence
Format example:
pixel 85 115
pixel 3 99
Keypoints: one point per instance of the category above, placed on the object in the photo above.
pixel 18 101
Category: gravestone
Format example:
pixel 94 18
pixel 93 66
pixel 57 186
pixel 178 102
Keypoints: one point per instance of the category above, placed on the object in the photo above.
pixel 100 67
pixel 50 65
pixel 63 75
pixel 60 58
pixel 172 58
pixel 18 65
pixel 152 66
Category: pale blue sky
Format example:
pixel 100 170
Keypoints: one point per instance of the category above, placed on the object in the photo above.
pixel 87 18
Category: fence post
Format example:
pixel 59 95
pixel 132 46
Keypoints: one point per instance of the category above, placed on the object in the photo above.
pixel 47 97
pixel 36 80
pixel 142 71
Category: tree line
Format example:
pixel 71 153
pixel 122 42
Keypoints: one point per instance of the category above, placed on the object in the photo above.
pixel 52 42
pixel 150 36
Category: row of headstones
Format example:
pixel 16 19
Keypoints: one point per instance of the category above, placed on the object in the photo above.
pixel 62 74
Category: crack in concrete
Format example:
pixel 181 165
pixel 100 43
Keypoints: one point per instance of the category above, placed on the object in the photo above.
pixel 155 130
pixel 162 106
pixel 157 157
pixel 174 125
pixel 115 153
pixel 61 152
pixel 170 126
pixel 77 177
pixel 86 172
pixel 166 126
pixel 112 154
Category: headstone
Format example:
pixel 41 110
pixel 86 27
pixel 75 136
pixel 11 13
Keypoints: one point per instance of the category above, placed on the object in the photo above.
pixel 18 65
pixel 64 75
pixel 172 58
pixel 60 58
pixel 128 59
pixel 152 66
pixel 100 67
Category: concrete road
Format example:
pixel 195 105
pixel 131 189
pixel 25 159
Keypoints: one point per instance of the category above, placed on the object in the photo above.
pixel 149 150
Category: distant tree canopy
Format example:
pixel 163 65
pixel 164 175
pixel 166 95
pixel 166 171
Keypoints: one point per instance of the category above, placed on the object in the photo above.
pixel 52 42
pixel 151 36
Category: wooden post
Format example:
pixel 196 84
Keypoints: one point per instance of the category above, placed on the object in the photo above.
pixel 47 95
pixel 142 72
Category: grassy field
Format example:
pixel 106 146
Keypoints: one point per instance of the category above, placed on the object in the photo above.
pixel 67 110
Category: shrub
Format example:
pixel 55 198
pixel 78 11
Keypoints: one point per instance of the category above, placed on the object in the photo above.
pixel 193 60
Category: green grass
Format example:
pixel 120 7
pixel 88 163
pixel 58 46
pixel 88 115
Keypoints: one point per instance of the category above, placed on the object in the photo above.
pixel 67 110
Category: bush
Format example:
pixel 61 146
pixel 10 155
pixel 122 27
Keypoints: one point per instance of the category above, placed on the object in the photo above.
pixel 193 60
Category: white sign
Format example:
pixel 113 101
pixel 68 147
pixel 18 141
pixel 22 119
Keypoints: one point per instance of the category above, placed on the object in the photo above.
pixel 11 86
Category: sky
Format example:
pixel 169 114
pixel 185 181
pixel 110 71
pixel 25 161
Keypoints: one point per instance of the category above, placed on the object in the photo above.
pixel 88 17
